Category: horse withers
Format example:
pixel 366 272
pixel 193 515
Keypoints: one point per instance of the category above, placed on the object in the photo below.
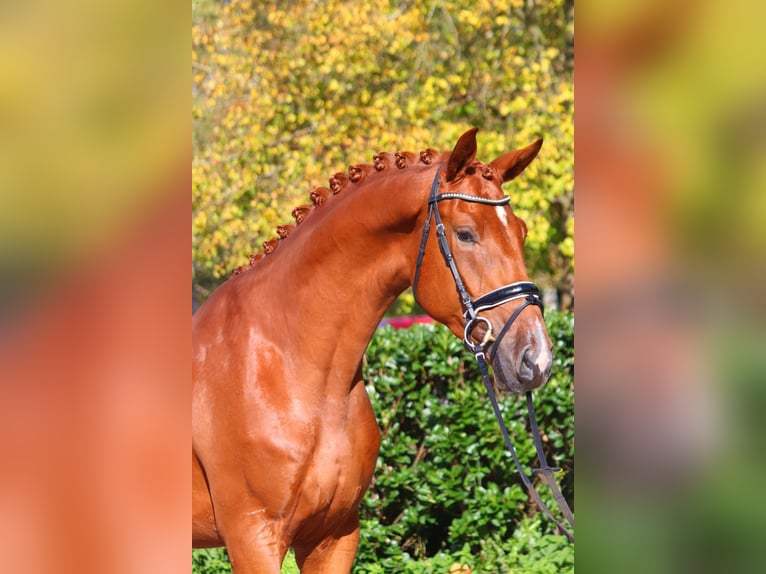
pixel 284 440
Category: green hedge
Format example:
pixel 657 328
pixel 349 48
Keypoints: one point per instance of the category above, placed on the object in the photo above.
pixel 445 482
pixel 445 489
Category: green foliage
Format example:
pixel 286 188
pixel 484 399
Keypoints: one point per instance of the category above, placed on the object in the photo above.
pixel 210 561
pixel 445 491
pixel 216 561
pixel 284 94
pixel 445 483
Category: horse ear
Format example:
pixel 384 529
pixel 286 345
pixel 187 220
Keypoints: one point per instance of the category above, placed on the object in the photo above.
pixel 462 155
pixel 513 163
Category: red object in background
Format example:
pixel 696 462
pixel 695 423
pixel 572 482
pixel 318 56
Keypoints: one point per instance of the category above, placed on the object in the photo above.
pixel 405 322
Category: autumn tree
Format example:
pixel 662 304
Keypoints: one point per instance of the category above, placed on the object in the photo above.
pixel 287 93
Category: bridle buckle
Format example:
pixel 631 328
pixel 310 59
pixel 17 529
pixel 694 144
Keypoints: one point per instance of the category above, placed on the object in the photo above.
pixel 470 325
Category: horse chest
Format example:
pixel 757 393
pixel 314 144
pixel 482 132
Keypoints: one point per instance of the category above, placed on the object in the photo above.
pixel 332 479
pixel 339 467
pixel 338 470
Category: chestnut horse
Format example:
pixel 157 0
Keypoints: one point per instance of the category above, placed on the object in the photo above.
pixel 284 440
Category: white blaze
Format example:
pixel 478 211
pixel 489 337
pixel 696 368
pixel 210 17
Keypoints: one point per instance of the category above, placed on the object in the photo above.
pixel 544 359
pixel 502 214
pixel 544 356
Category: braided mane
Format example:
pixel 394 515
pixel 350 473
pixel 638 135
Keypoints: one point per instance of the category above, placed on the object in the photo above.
pixel 381 162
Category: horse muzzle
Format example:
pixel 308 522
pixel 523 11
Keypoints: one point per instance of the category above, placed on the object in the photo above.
pixel 521 362
pixel 522 370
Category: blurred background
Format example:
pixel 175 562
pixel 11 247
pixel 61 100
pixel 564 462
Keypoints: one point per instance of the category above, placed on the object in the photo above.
pixel 670 345
pixel 94 247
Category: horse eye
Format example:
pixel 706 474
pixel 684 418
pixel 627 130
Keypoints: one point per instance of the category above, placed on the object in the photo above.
pixel 465 236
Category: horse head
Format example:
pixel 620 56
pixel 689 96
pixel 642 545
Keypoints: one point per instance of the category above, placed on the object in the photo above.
pixel 482 244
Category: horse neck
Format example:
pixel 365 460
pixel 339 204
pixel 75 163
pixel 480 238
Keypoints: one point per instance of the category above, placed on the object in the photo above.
pixel 338 272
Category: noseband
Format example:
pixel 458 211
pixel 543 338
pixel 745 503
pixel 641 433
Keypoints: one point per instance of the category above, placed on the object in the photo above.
pixel 530 294
pixel 472 307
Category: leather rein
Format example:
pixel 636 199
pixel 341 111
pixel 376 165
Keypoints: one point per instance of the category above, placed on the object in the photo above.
pixel 530 294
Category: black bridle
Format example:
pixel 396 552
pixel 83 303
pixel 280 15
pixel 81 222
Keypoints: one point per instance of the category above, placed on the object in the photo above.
pixel 530 294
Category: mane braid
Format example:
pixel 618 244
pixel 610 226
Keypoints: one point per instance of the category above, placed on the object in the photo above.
pixel 270 245
pixel 404 158
pixel 301 212
pixel 320 195
pixel 381 162
pixel 284 230
pixel 357 173
pixel 338 182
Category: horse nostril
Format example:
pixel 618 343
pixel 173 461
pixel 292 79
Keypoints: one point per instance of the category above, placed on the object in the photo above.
pixel 527 367
pixel 528 360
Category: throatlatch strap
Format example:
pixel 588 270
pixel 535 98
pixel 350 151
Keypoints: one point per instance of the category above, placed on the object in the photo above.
pixel 426 231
